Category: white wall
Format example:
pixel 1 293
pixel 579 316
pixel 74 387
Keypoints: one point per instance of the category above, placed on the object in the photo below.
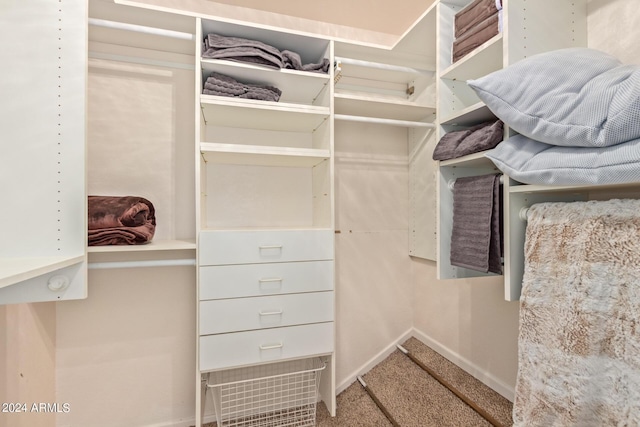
pixel 374 289
pixel 27 363
pixel 126 355
pixel 613 28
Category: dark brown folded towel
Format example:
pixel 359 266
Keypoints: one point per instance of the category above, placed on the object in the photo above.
pixel 484 136
pixel 475 37
pixel 115 220
pixel 473 14
pixel 476 241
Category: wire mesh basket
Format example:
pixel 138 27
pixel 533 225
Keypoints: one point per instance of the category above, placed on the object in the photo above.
pixel 272 395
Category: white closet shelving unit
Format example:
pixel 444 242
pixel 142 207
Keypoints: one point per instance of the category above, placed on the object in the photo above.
pixel 528 28
pixel 264 212
pixel 396 87
pixel 42 220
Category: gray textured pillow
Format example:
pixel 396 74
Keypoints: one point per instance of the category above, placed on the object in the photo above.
pixel 571 97
pixel 533 162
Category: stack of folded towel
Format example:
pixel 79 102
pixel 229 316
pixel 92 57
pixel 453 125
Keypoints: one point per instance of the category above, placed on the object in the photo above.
pixel 256 52
pixel 242 50
pixel 475 24
pixel 126 220
pixel 221 85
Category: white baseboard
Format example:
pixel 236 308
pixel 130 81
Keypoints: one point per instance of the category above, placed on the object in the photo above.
pixel 351 378
pixel 485 377
pixel 184 423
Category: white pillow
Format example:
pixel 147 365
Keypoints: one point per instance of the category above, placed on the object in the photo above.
pixel 533 162
pixel 571 97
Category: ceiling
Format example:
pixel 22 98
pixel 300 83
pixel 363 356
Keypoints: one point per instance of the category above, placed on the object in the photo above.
pixel 375 22
pixel 383 16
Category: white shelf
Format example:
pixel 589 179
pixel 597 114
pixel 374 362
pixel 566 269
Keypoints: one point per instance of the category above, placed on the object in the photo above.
pixel 263 228
pixel 372 106
pixel 298 87
pixel 483 60
pixel 262 155
pixel 471 160
pixel 523 189
pixel 474 114
pixel 265 115
pixel 369 70
pixel 14 270
pixel 154 245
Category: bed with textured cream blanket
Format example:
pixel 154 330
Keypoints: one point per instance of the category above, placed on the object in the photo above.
pixel 579 343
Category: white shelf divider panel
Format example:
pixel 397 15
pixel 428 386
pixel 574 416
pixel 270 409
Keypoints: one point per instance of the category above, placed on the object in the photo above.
pixel 262 155
pixel 265 115
pixel 514 239
pixel 15 270
pixel 42 164
pixel 298 87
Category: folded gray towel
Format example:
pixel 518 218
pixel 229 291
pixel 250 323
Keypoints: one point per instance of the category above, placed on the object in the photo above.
pixel 484 136
pixel 242 50
pixel 476 241
pixel 293 60
pixel 222 85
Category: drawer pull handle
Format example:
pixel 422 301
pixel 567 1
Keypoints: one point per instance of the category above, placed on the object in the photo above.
pixel 270 247
pixel 271 279
pixel 270 313
pixel 271 347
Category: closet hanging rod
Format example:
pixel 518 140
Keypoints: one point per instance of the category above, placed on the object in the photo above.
pixel 137 264
pixel 523 214
pixel 141 29
pixel 391 122
pixel 381 66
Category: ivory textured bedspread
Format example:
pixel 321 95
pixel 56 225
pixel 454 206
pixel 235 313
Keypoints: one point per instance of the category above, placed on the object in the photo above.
pixel 579 343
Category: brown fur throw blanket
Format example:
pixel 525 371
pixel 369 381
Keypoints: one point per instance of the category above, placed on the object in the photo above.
pixel 579 344
pixel 126 220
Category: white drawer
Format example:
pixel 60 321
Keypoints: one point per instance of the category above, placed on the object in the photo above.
pixel 222 247
pixel 234 281
pixel 244 314
pixel 253 347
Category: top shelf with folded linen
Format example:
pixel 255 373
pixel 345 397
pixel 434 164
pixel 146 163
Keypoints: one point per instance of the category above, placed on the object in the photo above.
pixel 259 64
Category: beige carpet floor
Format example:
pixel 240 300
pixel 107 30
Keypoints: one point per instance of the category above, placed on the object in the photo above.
pixel 413 397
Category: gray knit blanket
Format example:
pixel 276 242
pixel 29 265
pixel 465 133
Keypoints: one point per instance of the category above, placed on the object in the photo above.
pixel 476 241
pixel 222 85
pixel 579 342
